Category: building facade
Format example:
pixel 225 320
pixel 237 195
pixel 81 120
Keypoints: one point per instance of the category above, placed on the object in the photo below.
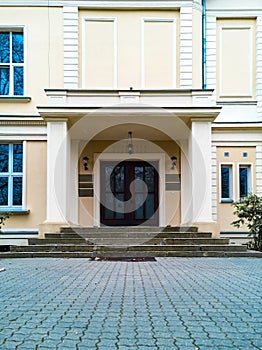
pixel 126 113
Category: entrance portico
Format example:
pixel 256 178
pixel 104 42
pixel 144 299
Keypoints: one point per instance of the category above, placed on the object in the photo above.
pixel 181 118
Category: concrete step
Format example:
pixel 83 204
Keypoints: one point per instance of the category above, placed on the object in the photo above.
pixel 72 241
pixel 113 229
pixel 142 248
pixel 124 235
pixel 155 241
pixel 63 235
pixel 146 235
pixel 129 241
pixel 130 254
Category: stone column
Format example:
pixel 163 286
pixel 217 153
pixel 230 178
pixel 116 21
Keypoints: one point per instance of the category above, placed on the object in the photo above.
pixel 200 156
pixel 73 183
pixel 58 150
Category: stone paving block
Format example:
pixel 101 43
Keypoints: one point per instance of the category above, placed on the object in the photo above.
pixel 257 343
pixel 49 346
pixel 10 344
pixel 222 342
pixel 28 344
pixel 145 342
pixel 87 344
pixel 196 300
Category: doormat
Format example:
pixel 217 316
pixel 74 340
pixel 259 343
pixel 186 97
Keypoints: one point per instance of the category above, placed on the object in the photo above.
pixel 123 259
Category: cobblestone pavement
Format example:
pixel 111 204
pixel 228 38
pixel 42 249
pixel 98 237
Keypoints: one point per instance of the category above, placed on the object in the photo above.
pixel 173 303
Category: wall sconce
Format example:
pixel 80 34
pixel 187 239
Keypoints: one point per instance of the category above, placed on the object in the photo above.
pixel 173 162
pixel 130 146
pixel 85 163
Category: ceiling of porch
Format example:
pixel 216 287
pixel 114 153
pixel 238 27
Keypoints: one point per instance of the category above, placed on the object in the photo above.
pixel 119 132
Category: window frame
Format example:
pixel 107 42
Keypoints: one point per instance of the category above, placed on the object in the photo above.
pixel 22 29
pixel 249 166
pixel 10 174
pixel 230 199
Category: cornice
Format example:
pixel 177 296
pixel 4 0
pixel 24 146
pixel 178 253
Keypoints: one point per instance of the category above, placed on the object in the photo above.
pixel 165 4
pixel 21 120
pixel 22 123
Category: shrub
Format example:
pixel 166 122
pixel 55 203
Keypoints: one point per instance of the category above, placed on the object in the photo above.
pixel 249 212
pixel 3 217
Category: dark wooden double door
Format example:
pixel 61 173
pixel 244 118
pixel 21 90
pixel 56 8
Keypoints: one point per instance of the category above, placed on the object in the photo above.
pixel 129 193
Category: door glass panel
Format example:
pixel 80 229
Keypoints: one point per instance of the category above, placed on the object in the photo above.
pixel 139 172
pixel 149 178
pixel 109 180
pixel 139 213
pixel 109 203
pixel 120 206
pixel 119 175
pixel 3 190
pixel 149 205
pixel 4 151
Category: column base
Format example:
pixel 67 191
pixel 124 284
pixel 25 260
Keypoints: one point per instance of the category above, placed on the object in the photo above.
pixel 50 227
pixel 208 226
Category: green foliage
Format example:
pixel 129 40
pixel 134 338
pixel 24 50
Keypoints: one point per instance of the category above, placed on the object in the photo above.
pixel 249 213
pixel 3 217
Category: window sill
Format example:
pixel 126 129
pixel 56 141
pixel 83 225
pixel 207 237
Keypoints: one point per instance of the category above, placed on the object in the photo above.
pixel 15 211
pixel 19 99
pixel 226 201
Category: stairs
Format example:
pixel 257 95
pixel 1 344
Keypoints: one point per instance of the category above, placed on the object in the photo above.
pixel 128 243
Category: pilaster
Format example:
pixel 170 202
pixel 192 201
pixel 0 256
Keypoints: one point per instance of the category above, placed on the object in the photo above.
pixel 186 47
pixel 71 48
pixel 259 65
pixel 201 171
pixel 57 169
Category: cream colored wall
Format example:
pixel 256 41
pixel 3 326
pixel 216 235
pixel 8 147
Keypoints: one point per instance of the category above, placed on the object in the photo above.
pixel 236 57
pixel 197 49
pixel 225 210
pixel 158 54
pixel 42 59
pixel 172 198
pixel 35 188
pixel 127 49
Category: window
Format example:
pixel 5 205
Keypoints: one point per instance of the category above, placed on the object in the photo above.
pixel 11 176
pixel 244 180
pixel 226 183
pixel 11 62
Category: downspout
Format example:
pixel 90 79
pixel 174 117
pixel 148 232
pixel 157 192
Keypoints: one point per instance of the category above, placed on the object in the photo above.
pixel 204 53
